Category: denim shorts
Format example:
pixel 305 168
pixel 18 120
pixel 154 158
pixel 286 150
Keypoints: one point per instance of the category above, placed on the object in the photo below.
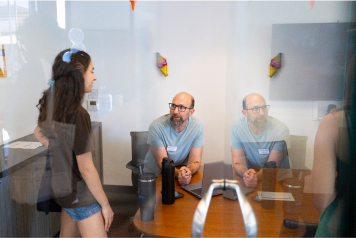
pixel 82 213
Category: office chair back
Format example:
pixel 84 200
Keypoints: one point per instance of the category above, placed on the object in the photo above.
pixel 297 151
pixel 139 146
pixel 139 149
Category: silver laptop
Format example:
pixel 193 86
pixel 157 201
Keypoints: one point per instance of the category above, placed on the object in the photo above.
pixel 214 170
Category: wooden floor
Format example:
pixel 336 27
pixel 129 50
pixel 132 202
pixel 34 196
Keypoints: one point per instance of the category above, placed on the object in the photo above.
pixel 124 203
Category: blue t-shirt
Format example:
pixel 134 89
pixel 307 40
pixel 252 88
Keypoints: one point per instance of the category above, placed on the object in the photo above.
pixel 257 148
pixel 177 144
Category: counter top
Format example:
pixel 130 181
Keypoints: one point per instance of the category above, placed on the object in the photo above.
pixel 16 158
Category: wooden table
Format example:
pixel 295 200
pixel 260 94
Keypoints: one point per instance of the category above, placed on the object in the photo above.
pixel 224 217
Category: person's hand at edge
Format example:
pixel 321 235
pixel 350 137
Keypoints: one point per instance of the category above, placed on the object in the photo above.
pixel 108 215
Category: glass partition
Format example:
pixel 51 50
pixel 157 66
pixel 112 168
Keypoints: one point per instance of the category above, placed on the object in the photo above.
pixel 272 81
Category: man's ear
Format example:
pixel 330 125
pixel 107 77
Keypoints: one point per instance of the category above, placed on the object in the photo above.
pixel 191 112
pixel 244 112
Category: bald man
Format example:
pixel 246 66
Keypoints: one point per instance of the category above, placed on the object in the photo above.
pixel 257 139
pixel 179 136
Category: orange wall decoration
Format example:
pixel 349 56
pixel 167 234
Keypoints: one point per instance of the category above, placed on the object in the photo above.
pixel 3 73
pixel 311 4
pixel 133 5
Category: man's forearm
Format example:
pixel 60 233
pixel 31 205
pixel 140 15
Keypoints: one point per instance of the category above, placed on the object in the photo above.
pixel 194 166
pixel 240 168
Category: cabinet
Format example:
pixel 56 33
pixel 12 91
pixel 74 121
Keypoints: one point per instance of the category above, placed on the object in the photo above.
pixel 7 210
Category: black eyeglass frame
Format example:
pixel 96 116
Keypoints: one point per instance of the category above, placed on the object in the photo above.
pixel 181 108
pixel 258 109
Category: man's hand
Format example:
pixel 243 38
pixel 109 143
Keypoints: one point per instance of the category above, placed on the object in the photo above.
pixel 185 175
pixel 250 178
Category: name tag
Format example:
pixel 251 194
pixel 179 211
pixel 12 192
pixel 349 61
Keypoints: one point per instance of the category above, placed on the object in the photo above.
pixel 263 151
pixel 171 148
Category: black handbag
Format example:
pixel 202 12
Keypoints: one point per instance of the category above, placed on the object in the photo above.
pixel 45 200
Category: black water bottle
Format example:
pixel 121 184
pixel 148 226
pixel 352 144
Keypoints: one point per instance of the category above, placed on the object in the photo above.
pixel 168 185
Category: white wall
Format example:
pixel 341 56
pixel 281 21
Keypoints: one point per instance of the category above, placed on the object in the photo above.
pixel 217 51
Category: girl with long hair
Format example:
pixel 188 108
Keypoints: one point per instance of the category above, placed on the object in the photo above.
pixel 64 127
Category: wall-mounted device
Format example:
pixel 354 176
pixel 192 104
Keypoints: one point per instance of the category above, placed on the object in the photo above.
pixel 93 104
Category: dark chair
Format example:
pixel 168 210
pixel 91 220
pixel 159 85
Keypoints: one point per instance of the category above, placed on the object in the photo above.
pixel 139 149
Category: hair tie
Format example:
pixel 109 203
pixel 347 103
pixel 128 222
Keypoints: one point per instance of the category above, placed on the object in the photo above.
pixel 50 82
pixel 67 56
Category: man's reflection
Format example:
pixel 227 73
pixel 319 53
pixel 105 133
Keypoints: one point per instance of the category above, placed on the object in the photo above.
pixel 257 139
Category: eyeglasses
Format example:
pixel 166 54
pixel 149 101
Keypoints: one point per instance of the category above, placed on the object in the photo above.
pixel 181 108
pixel 255 110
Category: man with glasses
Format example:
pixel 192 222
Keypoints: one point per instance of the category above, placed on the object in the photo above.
pixel 257 139
pixel 179 136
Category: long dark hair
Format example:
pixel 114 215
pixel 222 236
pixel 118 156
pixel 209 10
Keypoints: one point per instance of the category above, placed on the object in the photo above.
pixel 62 100
pixel 349 176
